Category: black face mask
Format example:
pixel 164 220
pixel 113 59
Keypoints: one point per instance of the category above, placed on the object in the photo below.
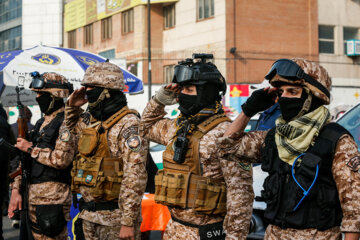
pixel 44 102
pixel 187 104
pixel 290 107
pixel 93 95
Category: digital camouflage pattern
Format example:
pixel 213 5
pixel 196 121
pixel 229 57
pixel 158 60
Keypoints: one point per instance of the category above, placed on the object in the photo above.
pixel 104 74
pixel 317 72
pixel 56 92
pixel 134 179
pixel 246 146
pixel 238 180
pixel 50 192
pixel 276 233
pixel 101 232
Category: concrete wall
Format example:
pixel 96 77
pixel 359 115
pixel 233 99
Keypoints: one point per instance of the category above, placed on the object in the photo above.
pixel 344 70
pixel 42 23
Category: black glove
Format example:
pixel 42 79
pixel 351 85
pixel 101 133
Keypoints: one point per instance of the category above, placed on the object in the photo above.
pixel 259 100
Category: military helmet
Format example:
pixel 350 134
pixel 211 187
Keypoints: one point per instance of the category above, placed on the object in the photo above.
pixel 199 73
pixel 299 71
pixel 53 83
pixel 105 75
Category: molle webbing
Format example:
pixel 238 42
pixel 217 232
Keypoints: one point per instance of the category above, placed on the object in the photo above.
pixel 181 185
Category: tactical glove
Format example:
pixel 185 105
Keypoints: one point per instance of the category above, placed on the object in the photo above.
pixel 259 100
pixel 165 96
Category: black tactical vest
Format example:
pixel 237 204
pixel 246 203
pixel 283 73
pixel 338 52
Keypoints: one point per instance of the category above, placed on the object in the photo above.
pixel 321 207
pixel 46 138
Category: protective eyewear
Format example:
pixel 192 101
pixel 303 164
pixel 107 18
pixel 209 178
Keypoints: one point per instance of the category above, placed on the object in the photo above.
pixel 37 81
pixel 291 71
pixel 182 74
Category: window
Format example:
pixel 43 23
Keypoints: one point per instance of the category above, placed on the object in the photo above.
pixel 205 9
pixel 88 34
pixel 72 39
pixel 9 10
pixel 10 39
pixel 127 19
pixel 326 39
pixel 106 28
pixel 109 54
pixel 169 16
pixel 168 73
pixel 349 33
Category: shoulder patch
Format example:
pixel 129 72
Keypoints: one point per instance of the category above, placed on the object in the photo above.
pixel 354 164
pixel 245 166
pixel 134 143
pixel 64 135
pixel 133 130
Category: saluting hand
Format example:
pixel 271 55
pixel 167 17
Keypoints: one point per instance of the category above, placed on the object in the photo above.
pixel 77 98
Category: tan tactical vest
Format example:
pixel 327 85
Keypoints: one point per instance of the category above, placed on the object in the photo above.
pixel 94 166
pixel 182 185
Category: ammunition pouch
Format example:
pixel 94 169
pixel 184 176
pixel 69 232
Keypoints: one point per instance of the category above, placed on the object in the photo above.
pixel 50 220
pixel 185 190
pixel 88 141
pixel 102 175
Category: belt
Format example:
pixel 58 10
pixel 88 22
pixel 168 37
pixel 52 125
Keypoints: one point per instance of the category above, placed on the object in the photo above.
pixel 191 224
pixel 97 206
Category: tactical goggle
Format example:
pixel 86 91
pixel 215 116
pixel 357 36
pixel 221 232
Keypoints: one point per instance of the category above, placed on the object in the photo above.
pixel 184 74
pixel 290 70
pixel 38 82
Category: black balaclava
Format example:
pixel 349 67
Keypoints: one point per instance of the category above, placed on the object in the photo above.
pixel 290 107
pixel 107 107
pixel 207 95
pixel 48 103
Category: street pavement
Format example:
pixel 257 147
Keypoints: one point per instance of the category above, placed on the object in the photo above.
pixel 10 233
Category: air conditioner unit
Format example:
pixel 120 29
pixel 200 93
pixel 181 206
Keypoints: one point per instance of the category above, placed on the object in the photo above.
pixel 353 47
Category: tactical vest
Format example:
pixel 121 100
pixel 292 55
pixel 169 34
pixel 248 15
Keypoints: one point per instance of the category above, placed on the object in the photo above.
pixel 182 185
pixel 46 138
pixel 94 166
pixel 321 208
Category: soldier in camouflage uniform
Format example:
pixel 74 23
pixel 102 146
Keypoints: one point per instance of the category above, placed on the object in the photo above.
pixel 49 191
pixel 313 187
pixel 205 195
pixel 109 168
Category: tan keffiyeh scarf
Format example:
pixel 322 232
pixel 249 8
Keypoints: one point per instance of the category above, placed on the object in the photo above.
pixel 295 137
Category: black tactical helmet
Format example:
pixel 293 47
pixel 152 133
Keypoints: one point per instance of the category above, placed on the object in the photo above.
pixel 199 73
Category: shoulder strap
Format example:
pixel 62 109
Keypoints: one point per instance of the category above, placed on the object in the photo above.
pixel 212 122
pixel 117 116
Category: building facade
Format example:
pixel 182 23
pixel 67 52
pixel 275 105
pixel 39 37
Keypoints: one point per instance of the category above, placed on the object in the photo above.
pixel 339 22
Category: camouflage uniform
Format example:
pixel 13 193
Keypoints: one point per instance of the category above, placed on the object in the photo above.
pixel 49 193
pixel 106 224
pixel 238 179
pixel 345 166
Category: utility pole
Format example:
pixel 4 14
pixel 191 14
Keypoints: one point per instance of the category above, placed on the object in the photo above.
pixel 149 47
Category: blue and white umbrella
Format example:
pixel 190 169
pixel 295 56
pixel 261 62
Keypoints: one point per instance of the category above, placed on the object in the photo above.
pixel 16 66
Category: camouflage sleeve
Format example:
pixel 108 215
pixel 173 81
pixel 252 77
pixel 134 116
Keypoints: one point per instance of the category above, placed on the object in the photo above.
pixel 17 182
pixel 134 152
pixel 72 115
pixel 242 147
pixel 154 126
pixel 63 153
pixel 346 172
pixel 240 196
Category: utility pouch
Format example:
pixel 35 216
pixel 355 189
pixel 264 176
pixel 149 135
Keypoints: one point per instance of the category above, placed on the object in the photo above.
pixel 88 141
pixel 50 219
pixel 88 171
pixel 210 197
pixel 213 231
pixel 170 189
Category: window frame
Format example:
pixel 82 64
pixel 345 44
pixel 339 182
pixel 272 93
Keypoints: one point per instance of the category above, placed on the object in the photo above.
pixel 169 21
pixel 169 73
pixel 88 34
pixel 127 21
pixel 345 40
pixel 106 28
pixel 327 39
pixel 72 39
pixel 202 3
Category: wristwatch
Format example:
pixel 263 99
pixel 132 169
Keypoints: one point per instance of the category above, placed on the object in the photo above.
pixel 29 150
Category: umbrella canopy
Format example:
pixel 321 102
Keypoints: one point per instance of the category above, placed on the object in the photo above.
pixel 16 66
